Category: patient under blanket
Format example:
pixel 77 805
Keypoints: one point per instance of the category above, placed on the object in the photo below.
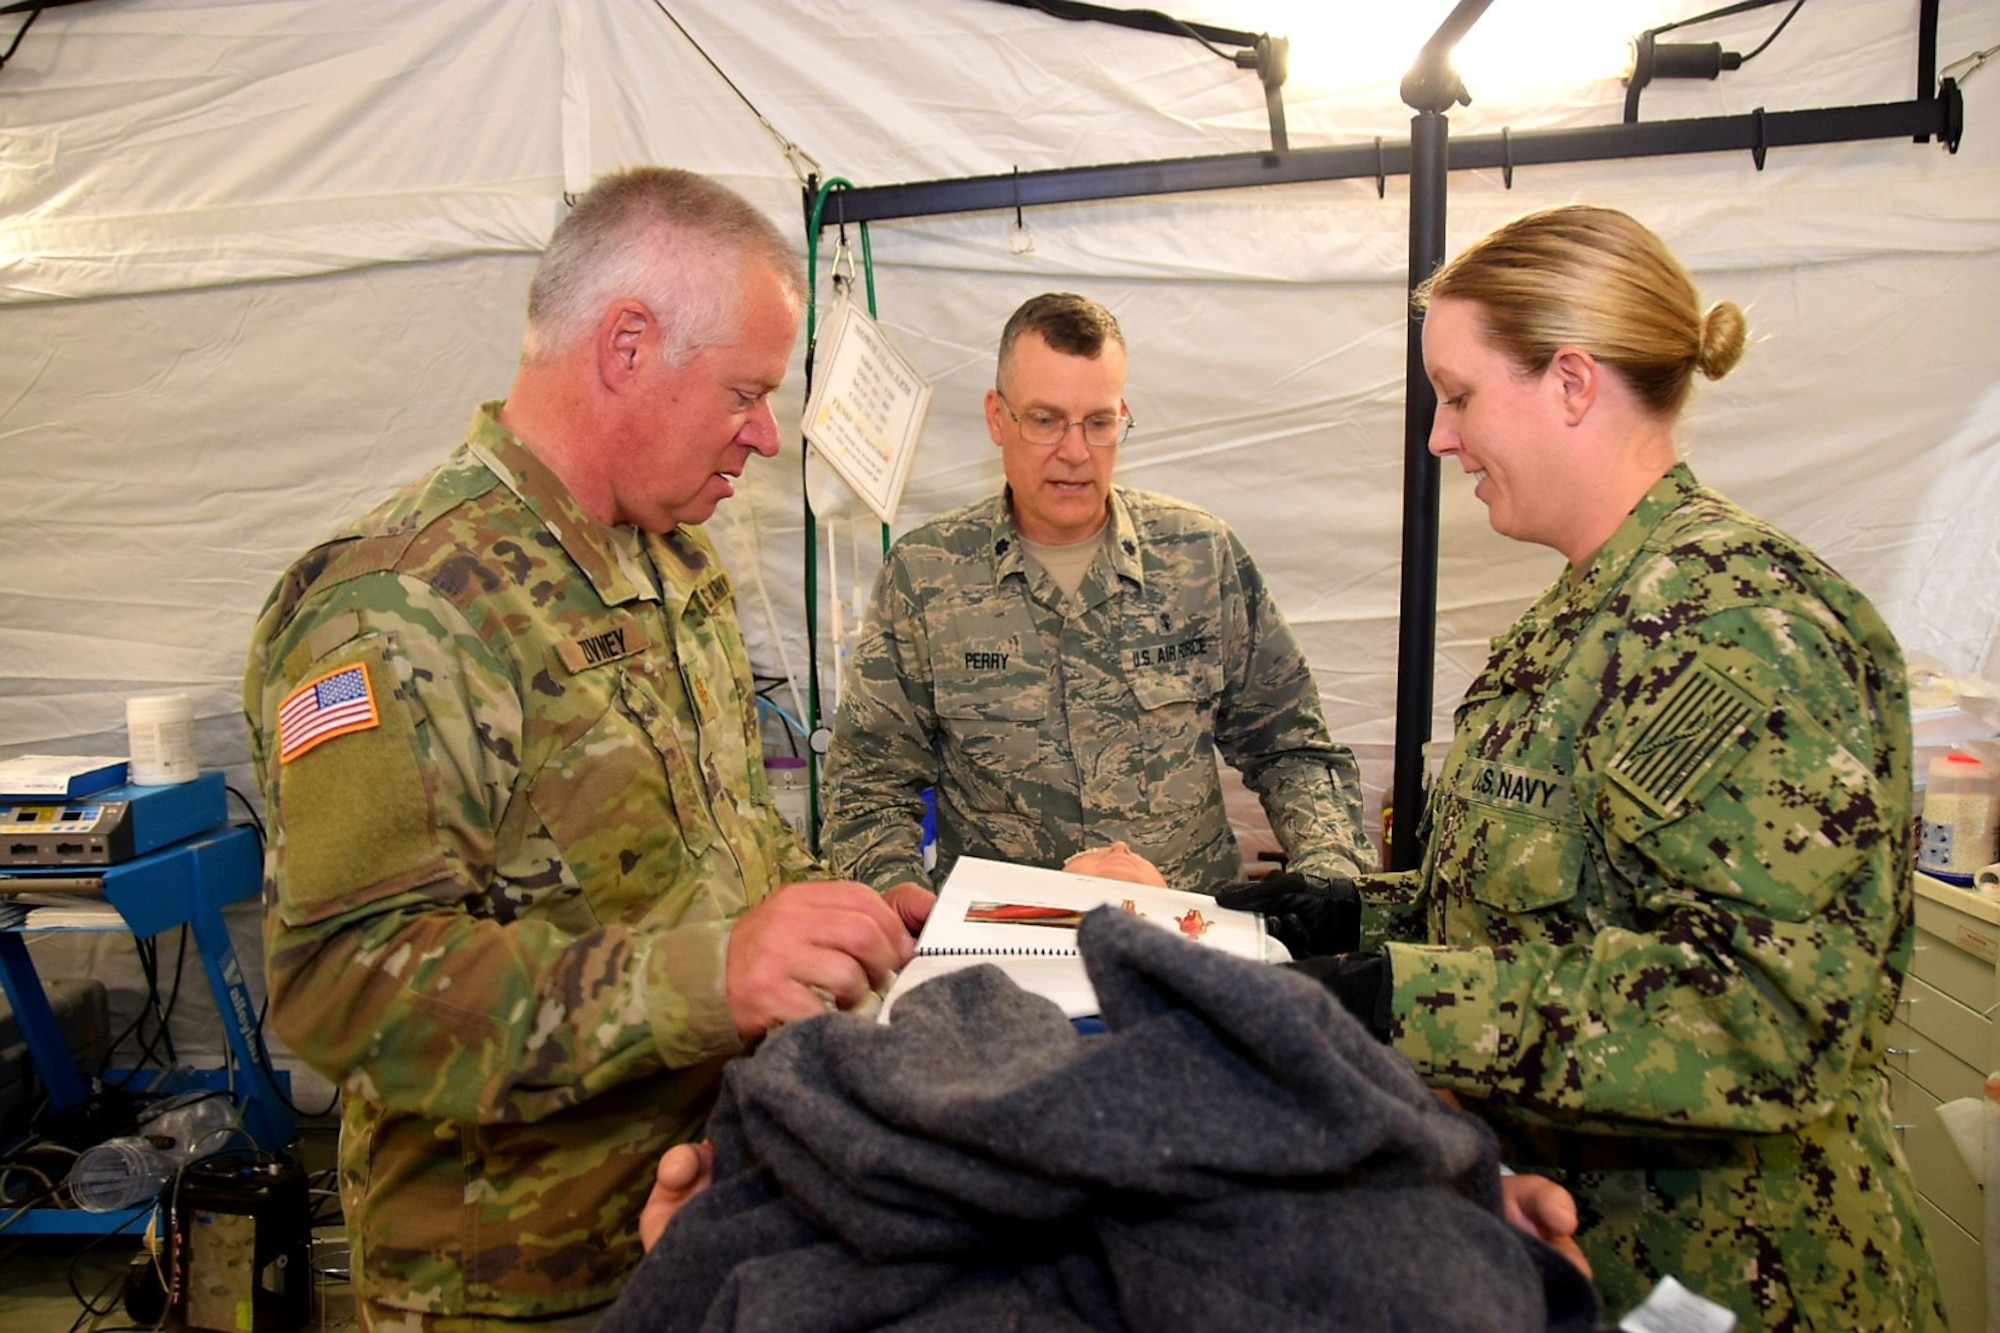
pixel 1233 1152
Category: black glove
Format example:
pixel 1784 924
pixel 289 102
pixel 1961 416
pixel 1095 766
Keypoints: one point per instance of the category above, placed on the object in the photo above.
pixel 1364 984
pixel 1308 914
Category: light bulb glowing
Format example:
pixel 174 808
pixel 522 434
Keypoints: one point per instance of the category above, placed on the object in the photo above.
pixel 1519 52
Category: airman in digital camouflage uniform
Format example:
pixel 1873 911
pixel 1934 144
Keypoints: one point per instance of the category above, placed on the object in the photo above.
pixel 526 892
pixel 1065 661
pixel 1666 887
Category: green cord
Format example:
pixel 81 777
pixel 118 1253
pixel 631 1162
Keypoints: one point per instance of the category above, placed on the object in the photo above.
pixel 831 184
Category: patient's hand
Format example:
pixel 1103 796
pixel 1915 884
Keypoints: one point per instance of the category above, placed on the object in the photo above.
pixel 1116 862
pixel 685 1170
pixel 1544 1209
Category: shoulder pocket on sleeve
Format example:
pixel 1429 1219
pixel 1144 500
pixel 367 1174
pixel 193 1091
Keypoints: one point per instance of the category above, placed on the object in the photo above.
pixel 351 805
pixel 1699 730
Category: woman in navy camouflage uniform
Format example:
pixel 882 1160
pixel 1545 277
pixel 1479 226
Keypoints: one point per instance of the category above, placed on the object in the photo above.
pixel 1665 897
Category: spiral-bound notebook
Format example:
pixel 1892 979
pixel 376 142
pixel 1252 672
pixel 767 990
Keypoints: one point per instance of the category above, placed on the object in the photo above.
pixel 1023 919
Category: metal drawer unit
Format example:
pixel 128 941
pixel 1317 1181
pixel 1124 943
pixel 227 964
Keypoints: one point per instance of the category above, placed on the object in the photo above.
pixel 1943 1045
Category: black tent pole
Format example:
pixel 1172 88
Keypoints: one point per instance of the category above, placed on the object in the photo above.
pixel 1416 629
pixel 1430 88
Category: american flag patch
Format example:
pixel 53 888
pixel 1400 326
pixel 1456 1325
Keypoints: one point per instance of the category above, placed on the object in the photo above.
pixel 335 704
pixel 1706 717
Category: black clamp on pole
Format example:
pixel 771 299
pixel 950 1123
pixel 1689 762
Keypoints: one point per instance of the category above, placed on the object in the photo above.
pixel 1432 85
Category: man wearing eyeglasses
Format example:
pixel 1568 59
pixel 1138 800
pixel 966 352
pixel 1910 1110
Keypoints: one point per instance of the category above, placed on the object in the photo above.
pixel 1064 662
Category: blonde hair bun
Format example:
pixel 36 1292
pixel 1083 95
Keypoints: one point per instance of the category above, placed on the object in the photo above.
pixel 1723 330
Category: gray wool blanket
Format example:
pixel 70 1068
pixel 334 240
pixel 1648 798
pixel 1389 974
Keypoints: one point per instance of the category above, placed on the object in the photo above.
pixel 1233 1152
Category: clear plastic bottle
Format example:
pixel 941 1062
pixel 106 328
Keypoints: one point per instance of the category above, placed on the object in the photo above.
pixel 119 1173
pixel 1961 817
pixel 192 1125
pixel 129 1171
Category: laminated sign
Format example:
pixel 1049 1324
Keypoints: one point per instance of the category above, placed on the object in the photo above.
pixel 867 408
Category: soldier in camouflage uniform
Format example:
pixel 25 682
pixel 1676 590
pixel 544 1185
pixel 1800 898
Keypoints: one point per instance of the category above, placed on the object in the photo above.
pixel 1064 661
pixel 526 892
pixel 1666 886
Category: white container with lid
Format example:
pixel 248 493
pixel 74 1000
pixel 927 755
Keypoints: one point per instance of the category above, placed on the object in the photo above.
pixel 160 728
pixel 1961 823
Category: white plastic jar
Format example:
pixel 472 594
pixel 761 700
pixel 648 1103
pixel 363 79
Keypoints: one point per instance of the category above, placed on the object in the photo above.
pixel 160 729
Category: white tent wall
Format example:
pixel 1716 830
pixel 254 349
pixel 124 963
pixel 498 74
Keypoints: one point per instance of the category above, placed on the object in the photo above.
pixel 260 259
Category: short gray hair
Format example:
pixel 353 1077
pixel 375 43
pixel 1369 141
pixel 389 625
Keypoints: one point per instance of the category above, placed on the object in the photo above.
pixel 673 239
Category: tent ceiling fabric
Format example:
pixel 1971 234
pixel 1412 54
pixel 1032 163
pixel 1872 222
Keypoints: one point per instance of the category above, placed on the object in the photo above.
pixel 260 259
pixel 153 147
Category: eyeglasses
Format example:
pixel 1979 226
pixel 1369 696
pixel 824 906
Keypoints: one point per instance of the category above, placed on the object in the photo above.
pixel 1101 430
